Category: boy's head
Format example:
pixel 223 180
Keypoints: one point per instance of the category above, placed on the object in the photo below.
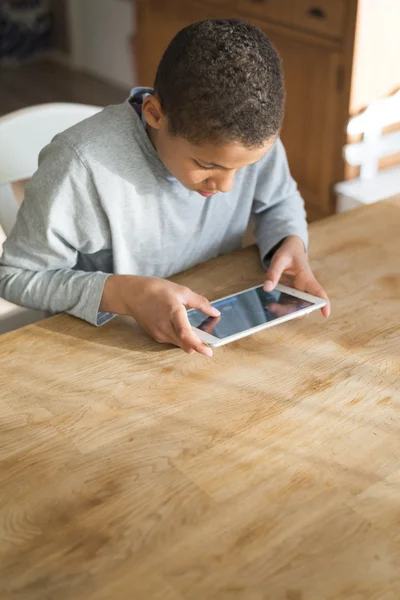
pixel 218 103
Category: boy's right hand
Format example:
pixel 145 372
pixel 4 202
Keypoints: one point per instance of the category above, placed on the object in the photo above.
pixel 158 306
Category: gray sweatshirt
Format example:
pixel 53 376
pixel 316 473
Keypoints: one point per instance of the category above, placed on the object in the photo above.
pixel 102 202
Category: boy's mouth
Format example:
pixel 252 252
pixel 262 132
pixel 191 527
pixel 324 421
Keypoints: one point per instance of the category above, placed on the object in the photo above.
pixel 206 194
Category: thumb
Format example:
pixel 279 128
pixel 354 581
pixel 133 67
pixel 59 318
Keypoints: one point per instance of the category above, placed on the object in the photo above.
pixel 194 300
pixel 274 273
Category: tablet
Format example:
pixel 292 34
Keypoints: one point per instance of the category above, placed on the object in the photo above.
pixel 251 311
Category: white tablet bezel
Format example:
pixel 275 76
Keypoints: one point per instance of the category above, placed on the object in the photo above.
pixel 213 341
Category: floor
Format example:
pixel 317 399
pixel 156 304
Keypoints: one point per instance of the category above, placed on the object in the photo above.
pixel 47 81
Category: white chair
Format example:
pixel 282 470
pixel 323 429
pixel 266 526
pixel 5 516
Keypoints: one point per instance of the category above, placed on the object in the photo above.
pixel 23 134
pixel 372 185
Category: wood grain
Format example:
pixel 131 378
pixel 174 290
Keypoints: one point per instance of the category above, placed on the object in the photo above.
pixel 130 470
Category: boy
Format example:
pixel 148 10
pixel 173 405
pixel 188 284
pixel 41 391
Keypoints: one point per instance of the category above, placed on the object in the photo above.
pixel 164 181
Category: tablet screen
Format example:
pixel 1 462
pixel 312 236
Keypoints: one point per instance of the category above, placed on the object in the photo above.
pixel 246 310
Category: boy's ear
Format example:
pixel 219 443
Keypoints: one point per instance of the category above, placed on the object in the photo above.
pixel 152 112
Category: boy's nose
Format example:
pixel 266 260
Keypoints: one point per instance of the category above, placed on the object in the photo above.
pixel 225 181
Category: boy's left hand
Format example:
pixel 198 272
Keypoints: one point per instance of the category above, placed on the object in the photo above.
pixel 291 259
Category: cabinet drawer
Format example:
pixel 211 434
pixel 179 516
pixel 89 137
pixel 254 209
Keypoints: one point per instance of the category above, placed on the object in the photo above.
pixel 322 16
pixel 325 17
pixel 228 5
pixel 277 10
pixel 224 3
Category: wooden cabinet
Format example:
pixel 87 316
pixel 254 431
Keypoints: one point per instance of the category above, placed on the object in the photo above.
pixel 326 60
pixel 325 17
pixel 310 119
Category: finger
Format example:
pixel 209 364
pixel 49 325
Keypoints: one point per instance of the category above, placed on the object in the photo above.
pixel 169 336
pixel 174 339
pixel 186 337
pixel 278 264
pixel 194 300
pixel 316 289
pixel 302 279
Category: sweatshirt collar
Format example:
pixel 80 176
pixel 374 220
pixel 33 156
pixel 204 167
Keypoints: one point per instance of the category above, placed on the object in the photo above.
pixel 136 97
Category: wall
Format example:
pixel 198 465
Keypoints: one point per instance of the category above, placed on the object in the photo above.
pixel 376 68
pixel 101 32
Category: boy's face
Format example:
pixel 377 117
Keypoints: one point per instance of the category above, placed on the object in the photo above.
pixel 206 168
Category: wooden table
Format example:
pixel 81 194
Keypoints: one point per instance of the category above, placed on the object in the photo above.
pixel 132 471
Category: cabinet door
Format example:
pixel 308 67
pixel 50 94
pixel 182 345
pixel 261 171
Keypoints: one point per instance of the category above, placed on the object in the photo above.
pixel 159 21
pixel 310 133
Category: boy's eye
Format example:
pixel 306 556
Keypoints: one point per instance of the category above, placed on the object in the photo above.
pixel 203 167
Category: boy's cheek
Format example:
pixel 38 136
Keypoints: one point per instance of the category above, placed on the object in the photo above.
pixel 192 180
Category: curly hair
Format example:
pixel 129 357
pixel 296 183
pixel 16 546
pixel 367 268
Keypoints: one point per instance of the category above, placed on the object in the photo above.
pixel 221 80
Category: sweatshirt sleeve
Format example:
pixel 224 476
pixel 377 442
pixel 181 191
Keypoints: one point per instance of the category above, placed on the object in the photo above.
pixel 60 216
pixel 278 209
